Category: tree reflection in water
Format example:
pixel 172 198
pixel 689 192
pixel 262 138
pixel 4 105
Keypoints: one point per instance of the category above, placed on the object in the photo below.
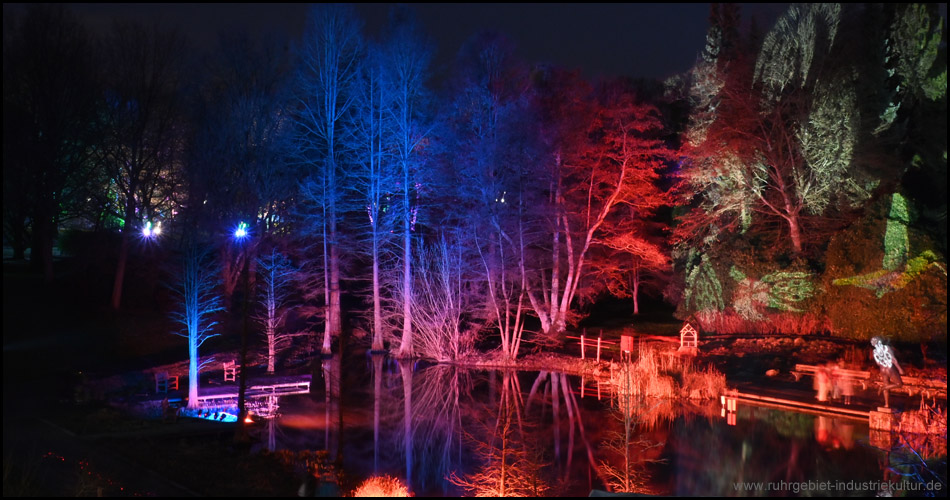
pixel 333 409
pixel 511 461
pixel 460 432
pixel 627 472
pixel 423 422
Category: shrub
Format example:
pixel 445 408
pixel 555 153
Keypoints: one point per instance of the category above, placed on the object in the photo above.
pixel 382 486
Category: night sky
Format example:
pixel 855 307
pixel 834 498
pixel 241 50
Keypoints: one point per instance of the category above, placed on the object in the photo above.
pixel 640 40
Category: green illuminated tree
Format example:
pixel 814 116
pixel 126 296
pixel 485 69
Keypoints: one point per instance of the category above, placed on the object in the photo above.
pixel 781 144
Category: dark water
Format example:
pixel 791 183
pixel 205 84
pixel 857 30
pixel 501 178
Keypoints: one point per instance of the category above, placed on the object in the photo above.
pixel 451 432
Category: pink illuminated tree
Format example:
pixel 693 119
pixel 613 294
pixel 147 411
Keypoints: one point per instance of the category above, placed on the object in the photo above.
pixel 276 279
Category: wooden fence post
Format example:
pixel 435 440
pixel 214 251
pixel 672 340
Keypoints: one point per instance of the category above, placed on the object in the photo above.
pixel 598 346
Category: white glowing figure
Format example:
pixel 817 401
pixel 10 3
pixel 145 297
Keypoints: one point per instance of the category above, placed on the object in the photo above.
pixel 147 230
pixel 883 355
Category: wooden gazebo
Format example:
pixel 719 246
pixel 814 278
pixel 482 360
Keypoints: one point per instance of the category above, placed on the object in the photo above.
pixel 689 336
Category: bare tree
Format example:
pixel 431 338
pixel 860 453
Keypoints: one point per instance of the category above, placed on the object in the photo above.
pixel 490 156
pixel 371 181
pixel 607 155
pixel 143 133
pixel 198 301
pixel 406 69
pixel 276 272
pixel 329 66
pixel 441 299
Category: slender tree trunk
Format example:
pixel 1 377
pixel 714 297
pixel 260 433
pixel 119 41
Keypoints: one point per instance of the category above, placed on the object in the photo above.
pixel 405 348
pixel 271 328
pixel 334 303
pixel 335 308
pixel 193 371
pixel 636 290
pixel 328 311
pixel 230 273
pixel 120 269
pixel 377 301
pixel 795 233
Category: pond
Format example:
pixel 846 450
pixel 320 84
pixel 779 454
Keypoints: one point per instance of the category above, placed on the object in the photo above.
pixel 446 431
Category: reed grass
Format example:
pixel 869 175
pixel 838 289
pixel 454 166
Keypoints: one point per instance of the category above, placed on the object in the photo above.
pixel 660 373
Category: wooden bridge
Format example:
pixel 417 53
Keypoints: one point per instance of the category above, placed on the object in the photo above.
pixel 856 412
pixel 275 386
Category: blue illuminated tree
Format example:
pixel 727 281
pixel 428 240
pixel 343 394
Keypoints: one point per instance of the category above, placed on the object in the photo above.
pixel 328 67
pixel 406 58
pixel 198 301
pixel 371 182
pixel 490 156
pixel 238 169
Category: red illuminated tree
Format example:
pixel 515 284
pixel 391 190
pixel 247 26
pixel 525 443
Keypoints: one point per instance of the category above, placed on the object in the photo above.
pixel 632 258
pixel 607 154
